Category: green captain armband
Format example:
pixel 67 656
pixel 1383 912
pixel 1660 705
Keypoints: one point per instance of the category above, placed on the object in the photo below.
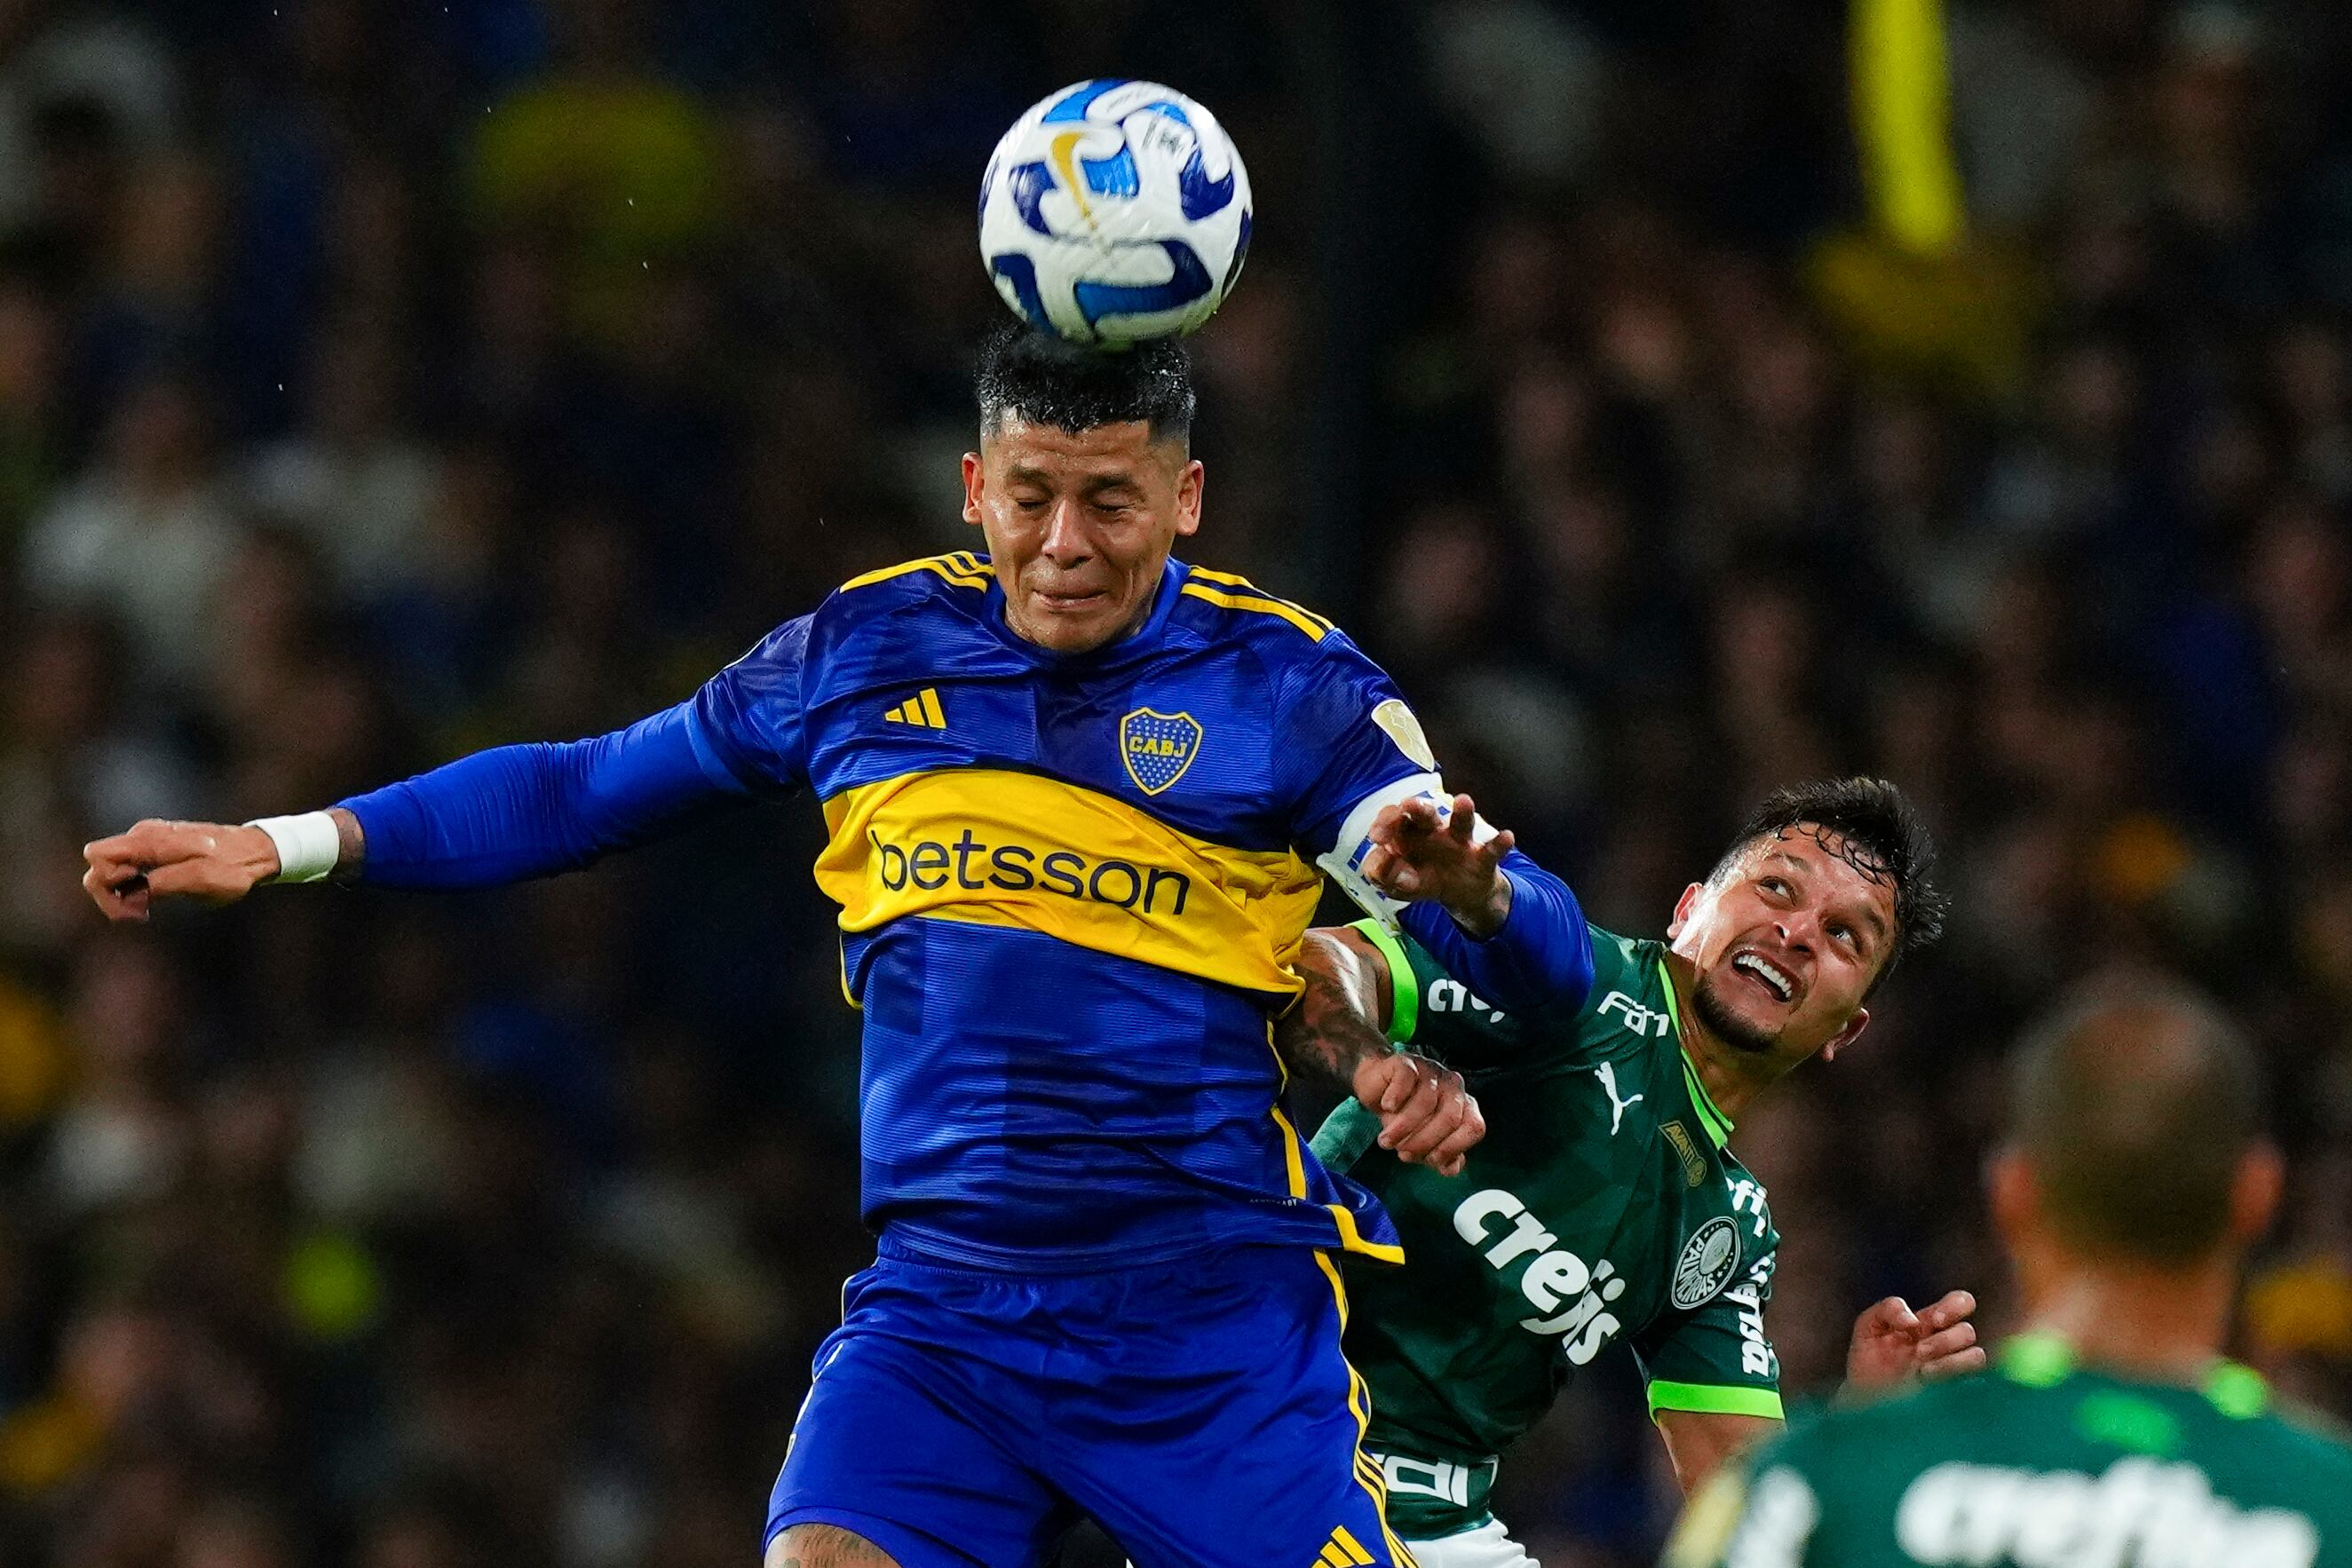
pixel 1404 985
pixel 1713 1399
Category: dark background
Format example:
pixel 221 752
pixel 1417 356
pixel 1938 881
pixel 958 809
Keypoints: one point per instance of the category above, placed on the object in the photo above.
pixel 382 379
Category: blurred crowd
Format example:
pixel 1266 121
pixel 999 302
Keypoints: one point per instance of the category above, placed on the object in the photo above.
pixel 383 380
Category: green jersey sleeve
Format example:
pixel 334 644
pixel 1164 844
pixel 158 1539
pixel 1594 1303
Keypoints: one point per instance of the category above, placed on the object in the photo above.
pixel 1434 1014
pixel 1437 1014
pixel 1715 1357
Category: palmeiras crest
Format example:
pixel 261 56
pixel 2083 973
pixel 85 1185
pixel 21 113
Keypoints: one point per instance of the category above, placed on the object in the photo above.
pixel 1157 747
pixel 1709 1259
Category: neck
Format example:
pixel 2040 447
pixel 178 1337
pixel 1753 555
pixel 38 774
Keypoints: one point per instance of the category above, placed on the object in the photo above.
pixel 2163 1325
pixel 1732 1077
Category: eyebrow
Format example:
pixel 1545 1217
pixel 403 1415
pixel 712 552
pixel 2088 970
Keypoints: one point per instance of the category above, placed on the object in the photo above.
pixel 1879 930
pixel 1023 473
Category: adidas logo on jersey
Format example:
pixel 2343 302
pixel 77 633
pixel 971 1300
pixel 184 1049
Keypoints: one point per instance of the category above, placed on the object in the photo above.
pixel 1343 1551
pixel 922 711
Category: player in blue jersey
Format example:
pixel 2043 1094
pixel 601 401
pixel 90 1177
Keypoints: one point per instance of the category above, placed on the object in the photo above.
pixel 1080 798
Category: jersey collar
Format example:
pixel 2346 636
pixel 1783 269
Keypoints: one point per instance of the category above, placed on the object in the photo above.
pixel 2039 1360
pixel 1716 1125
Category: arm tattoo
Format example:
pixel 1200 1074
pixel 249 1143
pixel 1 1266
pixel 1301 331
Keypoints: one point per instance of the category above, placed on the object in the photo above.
pixel 1333 1027
pixel 351 843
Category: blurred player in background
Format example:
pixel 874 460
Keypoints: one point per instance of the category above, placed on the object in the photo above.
pixel 1077 796
pixel 1602 1202
pixel 2112 1435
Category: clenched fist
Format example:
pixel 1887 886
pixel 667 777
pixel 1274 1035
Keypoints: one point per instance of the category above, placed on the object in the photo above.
pixel 211 862
pixel 1426 1115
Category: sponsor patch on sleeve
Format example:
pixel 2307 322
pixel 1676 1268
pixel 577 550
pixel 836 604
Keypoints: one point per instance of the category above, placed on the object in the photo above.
pixel 1397 721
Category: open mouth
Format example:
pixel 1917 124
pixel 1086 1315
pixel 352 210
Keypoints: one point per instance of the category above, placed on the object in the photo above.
pixel 1776 981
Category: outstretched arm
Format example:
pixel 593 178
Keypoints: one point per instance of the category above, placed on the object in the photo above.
pixel 1498 923
pixel 1336 1035
pixel 516 812
pixel 495 817
pixel 499 816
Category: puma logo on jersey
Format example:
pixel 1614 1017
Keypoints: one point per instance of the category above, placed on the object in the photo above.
pixel 1638 1019
pixel 1607 1073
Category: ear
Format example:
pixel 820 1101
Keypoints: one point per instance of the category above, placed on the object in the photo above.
pixel 1847 1036
pixel 1190 484
pixel 1683 907
pixel 972 478
pixel 2014 1196
pixel 2254 1193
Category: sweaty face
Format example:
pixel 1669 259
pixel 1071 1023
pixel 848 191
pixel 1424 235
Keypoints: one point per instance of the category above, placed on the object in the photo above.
pixel 1079 524
pixel 1786 944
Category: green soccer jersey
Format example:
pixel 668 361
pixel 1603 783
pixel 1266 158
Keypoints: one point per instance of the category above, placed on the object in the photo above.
pixel 2039 1464
pixel 1601 1205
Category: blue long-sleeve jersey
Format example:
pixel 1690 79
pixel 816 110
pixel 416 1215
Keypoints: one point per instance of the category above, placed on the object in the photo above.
pixel 1071 890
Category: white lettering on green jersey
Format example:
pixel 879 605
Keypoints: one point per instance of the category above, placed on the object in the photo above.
pixel 2039 1464
pixel 1601 1207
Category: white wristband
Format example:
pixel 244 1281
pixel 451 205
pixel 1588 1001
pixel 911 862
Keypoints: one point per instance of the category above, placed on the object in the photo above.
pixel 308 846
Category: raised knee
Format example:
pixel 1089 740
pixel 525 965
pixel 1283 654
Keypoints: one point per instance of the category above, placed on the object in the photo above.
pixel 824 1546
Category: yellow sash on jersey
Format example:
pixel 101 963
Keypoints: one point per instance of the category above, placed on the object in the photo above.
pixel 1005 848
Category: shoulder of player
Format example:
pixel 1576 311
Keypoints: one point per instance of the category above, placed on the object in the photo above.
pixel 933 597
pixel 2316 1437
pixel 1626 968
pixel 1623 961
pixel 959 572
pixel 1222 605
pixel 1746 1188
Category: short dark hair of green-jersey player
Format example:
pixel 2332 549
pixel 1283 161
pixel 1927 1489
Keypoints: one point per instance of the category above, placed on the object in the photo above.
pixel 2136 1175
pixel 2134 1178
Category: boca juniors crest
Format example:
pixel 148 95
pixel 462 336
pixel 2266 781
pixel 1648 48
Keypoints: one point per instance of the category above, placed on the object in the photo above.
pixel 1157 747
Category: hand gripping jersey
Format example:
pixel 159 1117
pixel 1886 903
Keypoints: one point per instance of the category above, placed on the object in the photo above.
pixel 1601 1205
pixel 2040 1463
pixel 1071 891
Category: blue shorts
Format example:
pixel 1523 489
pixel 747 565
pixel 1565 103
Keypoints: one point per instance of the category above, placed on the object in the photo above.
pixel 1199 1411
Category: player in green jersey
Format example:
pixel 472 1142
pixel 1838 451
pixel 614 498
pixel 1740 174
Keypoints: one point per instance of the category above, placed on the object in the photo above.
pixel 1601 1204
pixel 2112 1434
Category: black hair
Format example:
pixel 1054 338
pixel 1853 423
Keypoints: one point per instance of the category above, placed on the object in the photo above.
pixel 2135 1104
pixel 1025 374
pixel 1872 827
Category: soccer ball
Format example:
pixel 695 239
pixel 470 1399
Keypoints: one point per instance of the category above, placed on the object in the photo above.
pixel 1115 211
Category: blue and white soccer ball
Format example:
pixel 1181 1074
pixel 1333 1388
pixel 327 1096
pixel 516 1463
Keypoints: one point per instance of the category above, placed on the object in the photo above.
pixel 1115 211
